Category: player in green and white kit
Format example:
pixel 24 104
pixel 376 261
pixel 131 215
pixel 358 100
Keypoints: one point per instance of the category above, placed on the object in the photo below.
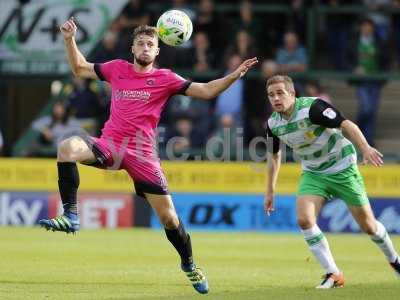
pixel 313 129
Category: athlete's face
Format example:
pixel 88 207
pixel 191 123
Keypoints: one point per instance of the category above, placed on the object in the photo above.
pixel 280 97
pixel 145 49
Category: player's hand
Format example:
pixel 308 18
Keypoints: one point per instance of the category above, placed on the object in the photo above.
pixel 68 29
pixel 245 66
pixel 373 156
pixel 269 204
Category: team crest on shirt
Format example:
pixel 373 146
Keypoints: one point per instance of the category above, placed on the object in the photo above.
pixel 302 124
pixel 150 81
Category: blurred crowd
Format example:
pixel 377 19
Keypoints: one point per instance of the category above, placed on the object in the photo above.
pixel 362 43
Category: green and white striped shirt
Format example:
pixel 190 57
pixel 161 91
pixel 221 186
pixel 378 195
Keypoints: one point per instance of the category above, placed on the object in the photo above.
pixel 312 131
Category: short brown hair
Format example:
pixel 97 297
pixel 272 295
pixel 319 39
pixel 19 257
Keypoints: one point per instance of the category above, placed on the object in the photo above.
pixel 146 30
pixel 281 79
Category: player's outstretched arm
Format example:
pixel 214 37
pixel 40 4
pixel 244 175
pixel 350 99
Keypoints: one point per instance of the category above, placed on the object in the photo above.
pixel 370 154
pixel 79 66
pixel 274 164
pixel 213 88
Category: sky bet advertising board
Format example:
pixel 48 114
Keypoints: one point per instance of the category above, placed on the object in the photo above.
pixel 96 210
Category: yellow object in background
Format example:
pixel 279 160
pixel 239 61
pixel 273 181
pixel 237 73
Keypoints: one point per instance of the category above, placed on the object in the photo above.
pixel 214 177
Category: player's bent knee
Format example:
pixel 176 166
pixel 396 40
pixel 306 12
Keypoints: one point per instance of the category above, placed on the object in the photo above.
pixel 169 220
pixel 67 150
pixel 305 223
pixel 369 229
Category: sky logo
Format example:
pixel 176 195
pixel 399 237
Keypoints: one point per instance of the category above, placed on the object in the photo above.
pixel 22 209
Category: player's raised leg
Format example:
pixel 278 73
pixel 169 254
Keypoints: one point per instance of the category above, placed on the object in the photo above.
pixel 70 151
pixel 375 229
pixel 179 238
pixel 308 208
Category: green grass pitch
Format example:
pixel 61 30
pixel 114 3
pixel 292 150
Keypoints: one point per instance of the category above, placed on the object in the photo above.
pixel 141 264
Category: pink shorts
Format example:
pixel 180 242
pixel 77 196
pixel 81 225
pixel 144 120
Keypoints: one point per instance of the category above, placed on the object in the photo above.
pixel 142 166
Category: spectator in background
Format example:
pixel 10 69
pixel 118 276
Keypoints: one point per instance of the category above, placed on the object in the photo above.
pixel 182 138
pixel 84 104
pixel 107 50
pixel 209 22
pixel 274 24
pixel 53 129
pixel 200 56
pixel 370 57
pixel 269 68
pixel 134 13
pixel 183 133
pixel 292 57
pixel 247 21
pixel 314 89
pixel 380 18
pixel 231 100
pixel 338 32
pixel 226 142
pixel 243 46
pixel 181 106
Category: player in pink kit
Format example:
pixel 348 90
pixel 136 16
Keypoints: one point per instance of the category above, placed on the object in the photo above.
pixel 139 94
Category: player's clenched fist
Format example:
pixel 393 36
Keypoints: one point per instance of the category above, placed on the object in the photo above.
pixel 68 29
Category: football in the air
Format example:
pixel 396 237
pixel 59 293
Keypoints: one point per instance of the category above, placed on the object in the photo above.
pixel 174 27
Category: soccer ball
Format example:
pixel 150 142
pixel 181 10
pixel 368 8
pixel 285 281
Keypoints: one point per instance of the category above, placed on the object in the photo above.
pixel 174 27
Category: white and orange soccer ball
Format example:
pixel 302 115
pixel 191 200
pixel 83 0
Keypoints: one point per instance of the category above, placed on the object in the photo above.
pixel 174 27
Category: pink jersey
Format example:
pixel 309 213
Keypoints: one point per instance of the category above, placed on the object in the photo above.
pixel 137 100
